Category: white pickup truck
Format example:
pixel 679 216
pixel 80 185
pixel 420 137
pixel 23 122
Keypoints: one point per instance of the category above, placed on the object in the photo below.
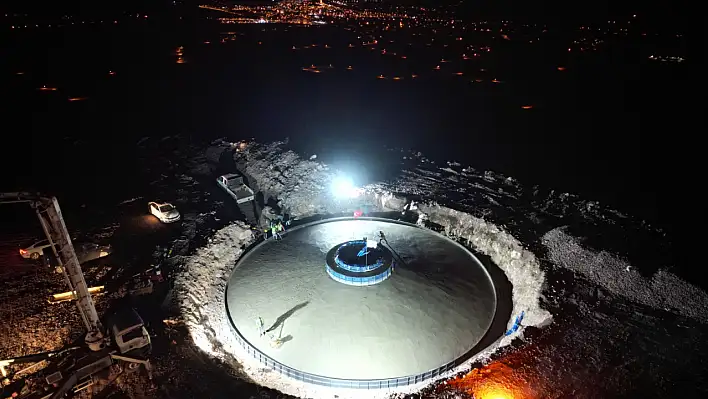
pixel 234 185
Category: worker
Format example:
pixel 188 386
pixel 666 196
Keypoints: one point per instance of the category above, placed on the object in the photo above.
pixel 275 232
pixel 259 324
pixel 382 237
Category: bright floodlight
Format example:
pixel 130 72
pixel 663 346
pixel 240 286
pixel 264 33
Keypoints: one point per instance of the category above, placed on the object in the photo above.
pixel 343 187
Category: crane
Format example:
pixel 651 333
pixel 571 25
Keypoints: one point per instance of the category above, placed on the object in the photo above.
pixel 52 222
pixel 127 330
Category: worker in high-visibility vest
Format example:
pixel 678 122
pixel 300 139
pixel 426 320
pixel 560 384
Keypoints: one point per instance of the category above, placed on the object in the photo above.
pixel 276 231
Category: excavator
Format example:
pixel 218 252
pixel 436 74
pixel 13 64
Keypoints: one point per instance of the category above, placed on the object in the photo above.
pixel 121 346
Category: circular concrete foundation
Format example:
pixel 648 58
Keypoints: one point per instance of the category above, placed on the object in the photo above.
pixel 435 307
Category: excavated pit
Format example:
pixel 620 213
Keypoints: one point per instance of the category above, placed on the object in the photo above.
pixel 434 311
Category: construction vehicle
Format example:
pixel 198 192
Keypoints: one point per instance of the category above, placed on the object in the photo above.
pixel 106 352
pixel 234 185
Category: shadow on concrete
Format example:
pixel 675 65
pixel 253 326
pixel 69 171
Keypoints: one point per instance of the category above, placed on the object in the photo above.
pixel 281 319
pixel 396 255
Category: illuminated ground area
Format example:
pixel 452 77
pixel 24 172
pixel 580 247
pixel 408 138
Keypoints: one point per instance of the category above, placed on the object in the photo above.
pixel 436 306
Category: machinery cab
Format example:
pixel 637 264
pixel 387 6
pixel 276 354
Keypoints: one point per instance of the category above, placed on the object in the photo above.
pixel 129 332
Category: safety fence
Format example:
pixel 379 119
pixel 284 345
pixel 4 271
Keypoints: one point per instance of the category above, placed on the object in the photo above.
pixel 354 280
pixel 357 268
pixel 287 371
pixel 354 267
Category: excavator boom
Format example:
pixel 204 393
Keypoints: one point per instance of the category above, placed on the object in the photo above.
pixel 52 222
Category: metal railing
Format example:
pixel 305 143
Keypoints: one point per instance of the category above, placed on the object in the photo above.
pixel 290 372
pixel 351 280
pixel 356 268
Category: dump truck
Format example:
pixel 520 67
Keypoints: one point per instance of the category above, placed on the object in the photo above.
pixel 233 184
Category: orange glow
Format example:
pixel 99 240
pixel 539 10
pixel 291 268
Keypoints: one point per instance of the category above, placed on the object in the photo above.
pixel 505 37
pixel 380 77
pixel 494 394
pixel 561 68
pixel 77 98
pixel 444 60
pixel 459 73
pixel 45 88
pixel 207 42
pixel 494 381
pixel 414 76
pixel 437 68
pixel 327 46
pixel 495 81
pixel 396 78
pixel 478 80
pixel 22 251
pixel 351 45
pixel 349 68
pixel 527 107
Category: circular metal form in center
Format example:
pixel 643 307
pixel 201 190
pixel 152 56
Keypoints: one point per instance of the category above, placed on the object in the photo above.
pixel 360 262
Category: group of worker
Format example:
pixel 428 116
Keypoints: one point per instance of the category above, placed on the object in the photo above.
pixel 277 226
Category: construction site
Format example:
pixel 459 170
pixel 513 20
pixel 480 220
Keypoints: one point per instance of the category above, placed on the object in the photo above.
pixel 116 325
pixel 268 274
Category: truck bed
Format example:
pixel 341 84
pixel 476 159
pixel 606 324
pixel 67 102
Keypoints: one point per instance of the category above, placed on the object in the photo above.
pixel 236 188
pixel 240 190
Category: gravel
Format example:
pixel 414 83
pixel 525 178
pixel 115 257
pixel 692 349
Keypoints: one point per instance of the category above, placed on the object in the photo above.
pixel 663 290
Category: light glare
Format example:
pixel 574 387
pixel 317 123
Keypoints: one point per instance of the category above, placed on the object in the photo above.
pixel 342 187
